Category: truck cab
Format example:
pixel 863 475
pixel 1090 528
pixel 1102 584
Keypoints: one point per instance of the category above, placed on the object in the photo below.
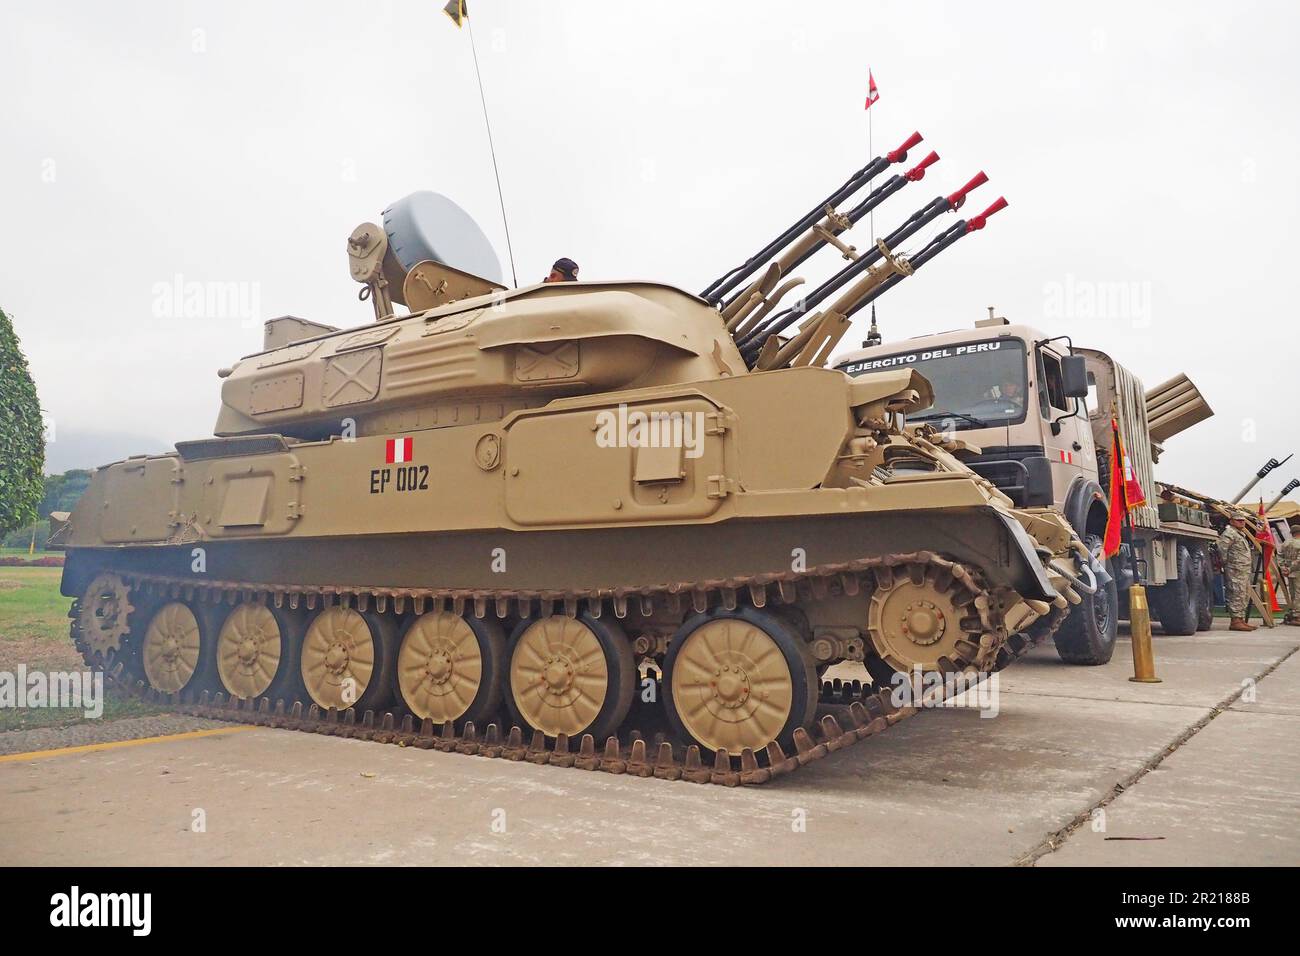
pixel 1035 414
pixel 1011 392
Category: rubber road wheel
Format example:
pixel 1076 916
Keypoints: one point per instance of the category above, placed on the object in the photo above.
pixel 737 679
pixel 176 646
pixel 347 659
pixel 570 675
pixel 255 652
pixel 451 667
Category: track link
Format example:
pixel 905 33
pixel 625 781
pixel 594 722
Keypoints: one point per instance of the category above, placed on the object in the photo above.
pixel 847 713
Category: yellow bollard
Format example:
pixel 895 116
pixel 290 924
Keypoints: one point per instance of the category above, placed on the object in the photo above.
pixel 1139 625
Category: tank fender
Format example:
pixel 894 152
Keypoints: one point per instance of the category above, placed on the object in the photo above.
pixel 1022 546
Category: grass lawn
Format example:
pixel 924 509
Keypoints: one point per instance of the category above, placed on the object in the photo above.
pixel 34 632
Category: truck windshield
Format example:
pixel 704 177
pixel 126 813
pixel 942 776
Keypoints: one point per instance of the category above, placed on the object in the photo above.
pixel 976 384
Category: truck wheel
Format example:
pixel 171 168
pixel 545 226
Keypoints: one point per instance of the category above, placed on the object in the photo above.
pixel 1176 602
pixel 1205 592
pixel 1087 636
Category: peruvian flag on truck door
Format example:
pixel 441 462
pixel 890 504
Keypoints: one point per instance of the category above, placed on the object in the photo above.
pixel 398 451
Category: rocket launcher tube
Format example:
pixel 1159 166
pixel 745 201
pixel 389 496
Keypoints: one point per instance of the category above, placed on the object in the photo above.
pixel 724 284
pixel 916 222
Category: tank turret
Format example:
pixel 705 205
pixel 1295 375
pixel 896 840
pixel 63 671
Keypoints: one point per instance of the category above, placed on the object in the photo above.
pixel 468 349
pixel 480 357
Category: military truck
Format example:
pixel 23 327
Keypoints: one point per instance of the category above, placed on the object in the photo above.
pixel 1034 414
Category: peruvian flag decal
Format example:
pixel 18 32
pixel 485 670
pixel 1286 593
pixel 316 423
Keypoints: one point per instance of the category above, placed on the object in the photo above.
pixel 399 450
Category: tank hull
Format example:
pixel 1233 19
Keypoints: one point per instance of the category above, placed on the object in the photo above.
pixel 593 561
pixel 553 560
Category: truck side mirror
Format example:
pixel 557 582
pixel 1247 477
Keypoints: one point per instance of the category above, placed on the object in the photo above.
pixel 1074 376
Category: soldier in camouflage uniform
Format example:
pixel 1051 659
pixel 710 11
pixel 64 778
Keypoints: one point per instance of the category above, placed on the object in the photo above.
pixel 1237 555
pixel 1289 558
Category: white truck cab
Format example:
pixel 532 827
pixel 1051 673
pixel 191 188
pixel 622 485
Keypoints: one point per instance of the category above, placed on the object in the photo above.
pixel 1017 394
pixel 1035 413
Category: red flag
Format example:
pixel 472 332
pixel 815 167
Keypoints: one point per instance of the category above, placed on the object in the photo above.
pixel 1125 492
pixel 1265 538
pixel 873 94
pixel 1133 493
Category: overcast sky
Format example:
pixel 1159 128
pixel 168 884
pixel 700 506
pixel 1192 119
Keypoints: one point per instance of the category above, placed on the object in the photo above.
pixel 1149 152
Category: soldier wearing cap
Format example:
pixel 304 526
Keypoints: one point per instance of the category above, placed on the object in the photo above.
pixel 1237 555
pixel 1288 557
pixel 564 270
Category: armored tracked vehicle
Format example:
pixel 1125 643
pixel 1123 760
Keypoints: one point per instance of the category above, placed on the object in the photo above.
pixel 570 509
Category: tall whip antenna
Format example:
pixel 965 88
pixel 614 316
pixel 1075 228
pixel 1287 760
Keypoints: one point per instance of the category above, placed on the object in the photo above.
pixel 491 147
pixel 873 335
pixel 872 96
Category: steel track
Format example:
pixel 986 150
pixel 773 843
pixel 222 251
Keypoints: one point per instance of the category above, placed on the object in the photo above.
pixel 847 713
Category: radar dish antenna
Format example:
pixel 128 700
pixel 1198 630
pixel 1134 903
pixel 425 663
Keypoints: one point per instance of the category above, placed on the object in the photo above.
pixel 427 226
pixel 428 252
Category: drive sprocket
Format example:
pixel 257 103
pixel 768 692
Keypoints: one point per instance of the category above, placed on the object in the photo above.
pixel 104 615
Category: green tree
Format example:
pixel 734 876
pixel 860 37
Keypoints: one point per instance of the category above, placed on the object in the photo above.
pixel 22 435
pixel 62 491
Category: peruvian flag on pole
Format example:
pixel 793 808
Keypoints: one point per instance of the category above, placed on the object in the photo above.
pixel 1125 492
pixel 398 451
pixel 1265 538
pixel 873 94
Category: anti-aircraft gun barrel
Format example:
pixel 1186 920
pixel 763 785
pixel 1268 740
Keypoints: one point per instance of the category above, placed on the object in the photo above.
pixel 725 283
pixel 1260 475
pixel 817 238
pixel 752 341
pixel 823 330
pixel 747 308
pixel 938 244
pixel 1291 486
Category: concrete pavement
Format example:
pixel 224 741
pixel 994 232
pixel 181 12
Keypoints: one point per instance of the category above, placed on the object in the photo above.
pixel 947 787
